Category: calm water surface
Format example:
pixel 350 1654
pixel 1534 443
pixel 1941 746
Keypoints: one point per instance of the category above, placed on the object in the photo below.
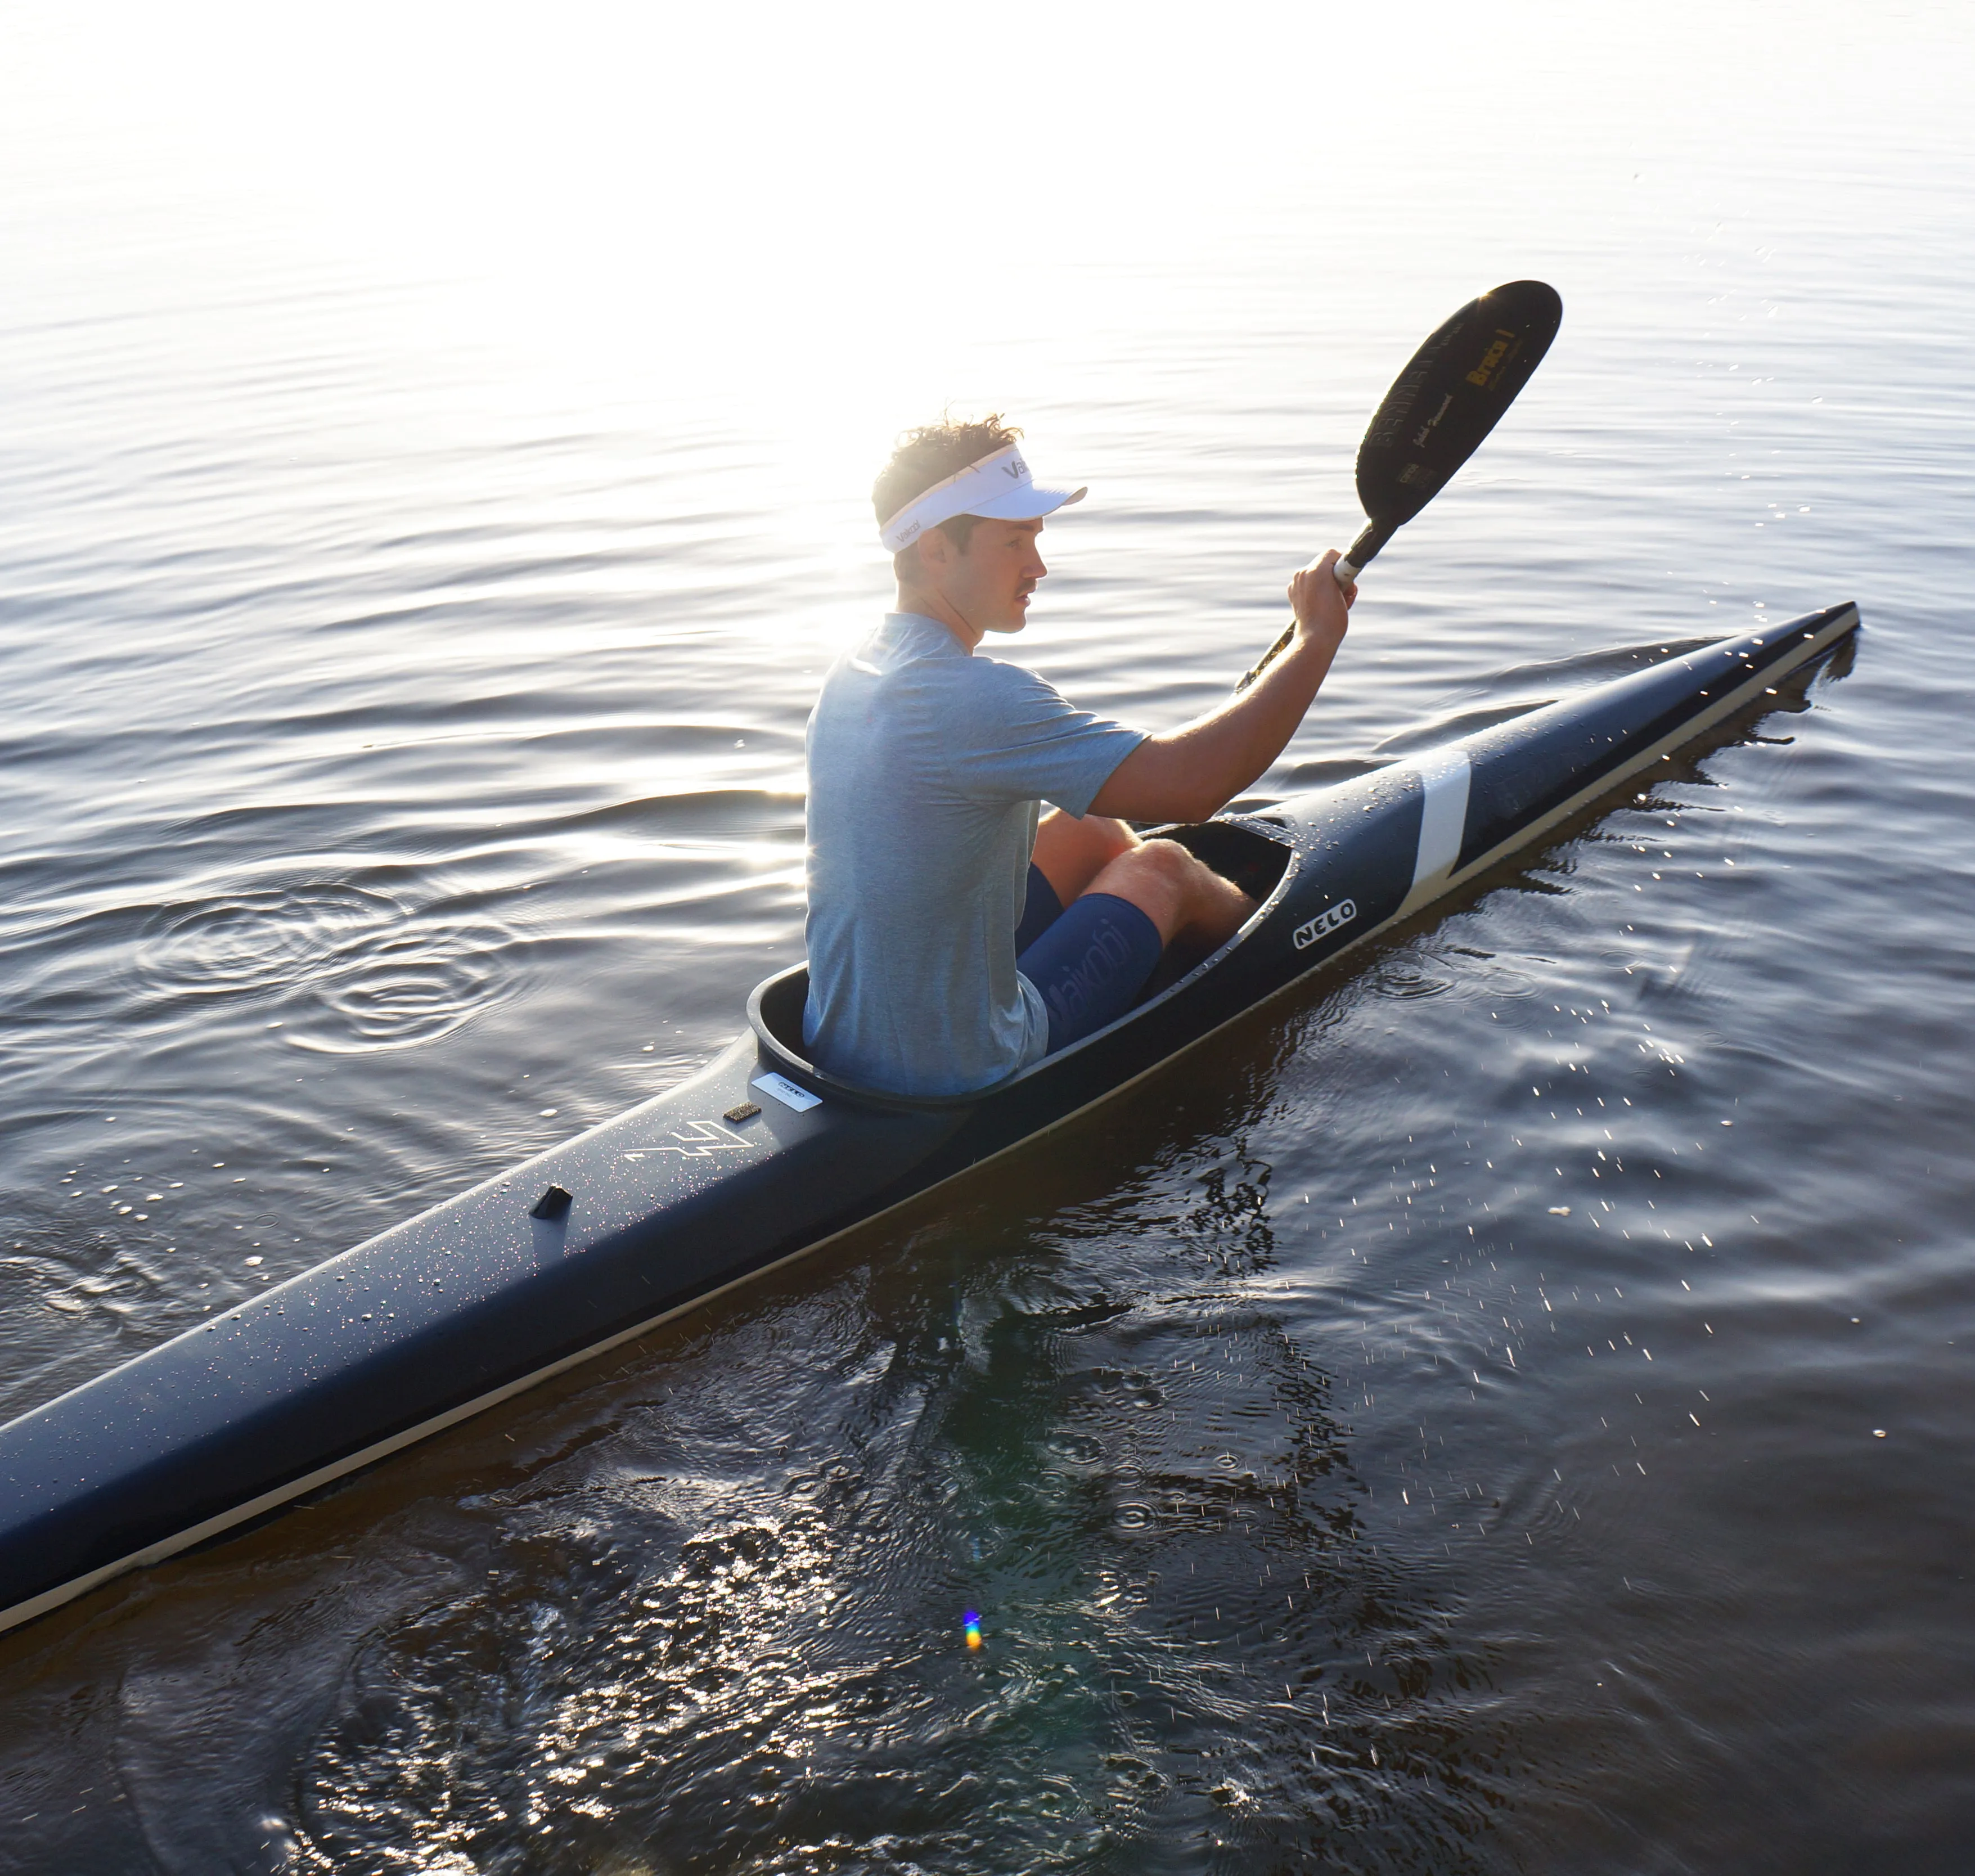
pixel 1507 1409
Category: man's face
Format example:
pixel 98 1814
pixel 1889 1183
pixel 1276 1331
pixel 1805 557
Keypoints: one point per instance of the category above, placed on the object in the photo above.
pixel 989 584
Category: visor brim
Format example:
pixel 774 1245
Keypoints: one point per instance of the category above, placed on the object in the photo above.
pixel 1027 504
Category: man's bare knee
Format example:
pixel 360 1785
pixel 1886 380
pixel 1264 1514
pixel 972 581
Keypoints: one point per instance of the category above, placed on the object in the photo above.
pixel 1167 883
pixel 1073 852
pixel 1170 860
pixel 1100 838
pixel 1207 909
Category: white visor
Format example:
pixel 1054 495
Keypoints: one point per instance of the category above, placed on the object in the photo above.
pixel 998 487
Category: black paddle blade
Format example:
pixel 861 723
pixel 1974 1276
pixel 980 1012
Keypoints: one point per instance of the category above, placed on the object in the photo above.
pixel 1439 409
pixel 1451 395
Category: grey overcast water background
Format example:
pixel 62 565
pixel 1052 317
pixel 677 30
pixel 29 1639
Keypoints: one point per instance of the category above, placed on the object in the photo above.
pixel 1506 1409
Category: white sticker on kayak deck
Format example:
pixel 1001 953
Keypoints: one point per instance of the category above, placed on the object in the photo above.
pixel 1443 776
pixel 786 1092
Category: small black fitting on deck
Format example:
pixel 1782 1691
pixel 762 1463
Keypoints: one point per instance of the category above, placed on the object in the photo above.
pixel 553 1205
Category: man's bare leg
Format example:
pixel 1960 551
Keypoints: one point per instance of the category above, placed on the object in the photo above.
pixel 1073 852
pixel 1182 895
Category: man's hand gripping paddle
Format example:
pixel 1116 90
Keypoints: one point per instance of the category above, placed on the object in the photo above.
pixel 1437 412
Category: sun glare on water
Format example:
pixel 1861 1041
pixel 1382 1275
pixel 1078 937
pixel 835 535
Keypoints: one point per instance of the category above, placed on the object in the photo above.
pixel 649 230
pixel 826 222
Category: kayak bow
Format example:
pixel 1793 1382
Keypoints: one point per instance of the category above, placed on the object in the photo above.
pixel 759 1158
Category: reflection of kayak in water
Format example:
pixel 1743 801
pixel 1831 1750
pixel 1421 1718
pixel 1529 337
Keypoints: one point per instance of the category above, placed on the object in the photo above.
pixel 758 1158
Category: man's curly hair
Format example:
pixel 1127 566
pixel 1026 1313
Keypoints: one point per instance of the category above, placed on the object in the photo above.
pixel 928 455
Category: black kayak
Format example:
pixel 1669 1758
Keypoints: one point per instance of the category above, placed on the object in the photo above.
pixel 759 1158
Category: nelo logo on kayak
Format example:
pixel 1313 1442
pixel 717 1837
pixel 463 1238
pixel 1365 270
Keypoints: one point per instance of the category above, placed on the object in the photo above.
pixel 1325 923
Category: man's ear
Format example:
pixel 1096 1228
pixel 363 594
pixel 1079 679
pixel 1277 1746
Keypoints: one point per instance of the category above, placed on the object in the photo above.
pixel 933 551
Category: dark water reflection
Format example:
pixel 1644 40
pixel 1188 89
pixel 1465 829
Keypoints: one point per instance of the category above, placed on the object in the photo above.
pixel 1502 1408
pixel 638 1626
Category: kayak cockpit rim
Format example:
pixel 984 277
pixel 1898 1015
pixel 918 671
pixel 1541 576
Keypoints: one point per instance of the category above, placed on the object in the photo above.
pixel 775 1005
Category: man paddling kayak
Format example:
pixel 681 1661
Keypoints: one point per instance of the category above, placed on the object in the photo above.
pixel 956 934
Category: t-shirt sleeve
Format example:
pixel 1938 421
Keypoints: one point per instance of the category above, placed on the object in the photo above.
pixel 1005 734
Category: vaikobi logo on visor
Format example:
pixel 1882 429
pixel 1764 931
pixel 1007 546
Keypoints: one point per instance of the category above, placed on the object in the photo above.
pixel 998 487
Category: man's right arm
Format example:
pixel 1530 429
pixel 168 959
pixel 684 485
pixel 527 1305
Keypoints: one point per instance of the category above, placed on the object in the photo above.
pixel 1190 772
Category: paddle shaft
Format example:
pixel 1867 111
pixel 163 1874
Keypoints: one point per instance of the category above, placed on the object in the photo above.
pixel 1347 567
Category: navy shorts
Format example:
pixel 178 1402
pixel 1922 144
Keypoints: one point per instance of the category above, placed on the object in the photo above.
pixel 1090 961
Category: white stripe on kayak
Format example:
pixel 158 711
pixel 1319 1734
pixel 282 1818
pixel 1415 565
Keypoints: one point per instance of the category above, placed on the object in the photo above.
pixel 1443 776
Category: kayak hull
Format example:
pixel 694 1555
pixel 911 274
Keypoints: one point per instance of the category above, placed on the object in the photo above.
pixel 758 1158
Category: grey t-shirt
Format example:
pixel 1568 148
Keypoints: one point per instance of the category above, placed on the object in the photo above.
pixel 927 767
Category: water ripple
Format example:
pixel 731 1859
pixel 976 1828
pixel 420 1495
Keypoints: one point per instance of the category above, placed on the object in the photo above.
pixel 373 970
pixel 413 982
pixel 263 939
